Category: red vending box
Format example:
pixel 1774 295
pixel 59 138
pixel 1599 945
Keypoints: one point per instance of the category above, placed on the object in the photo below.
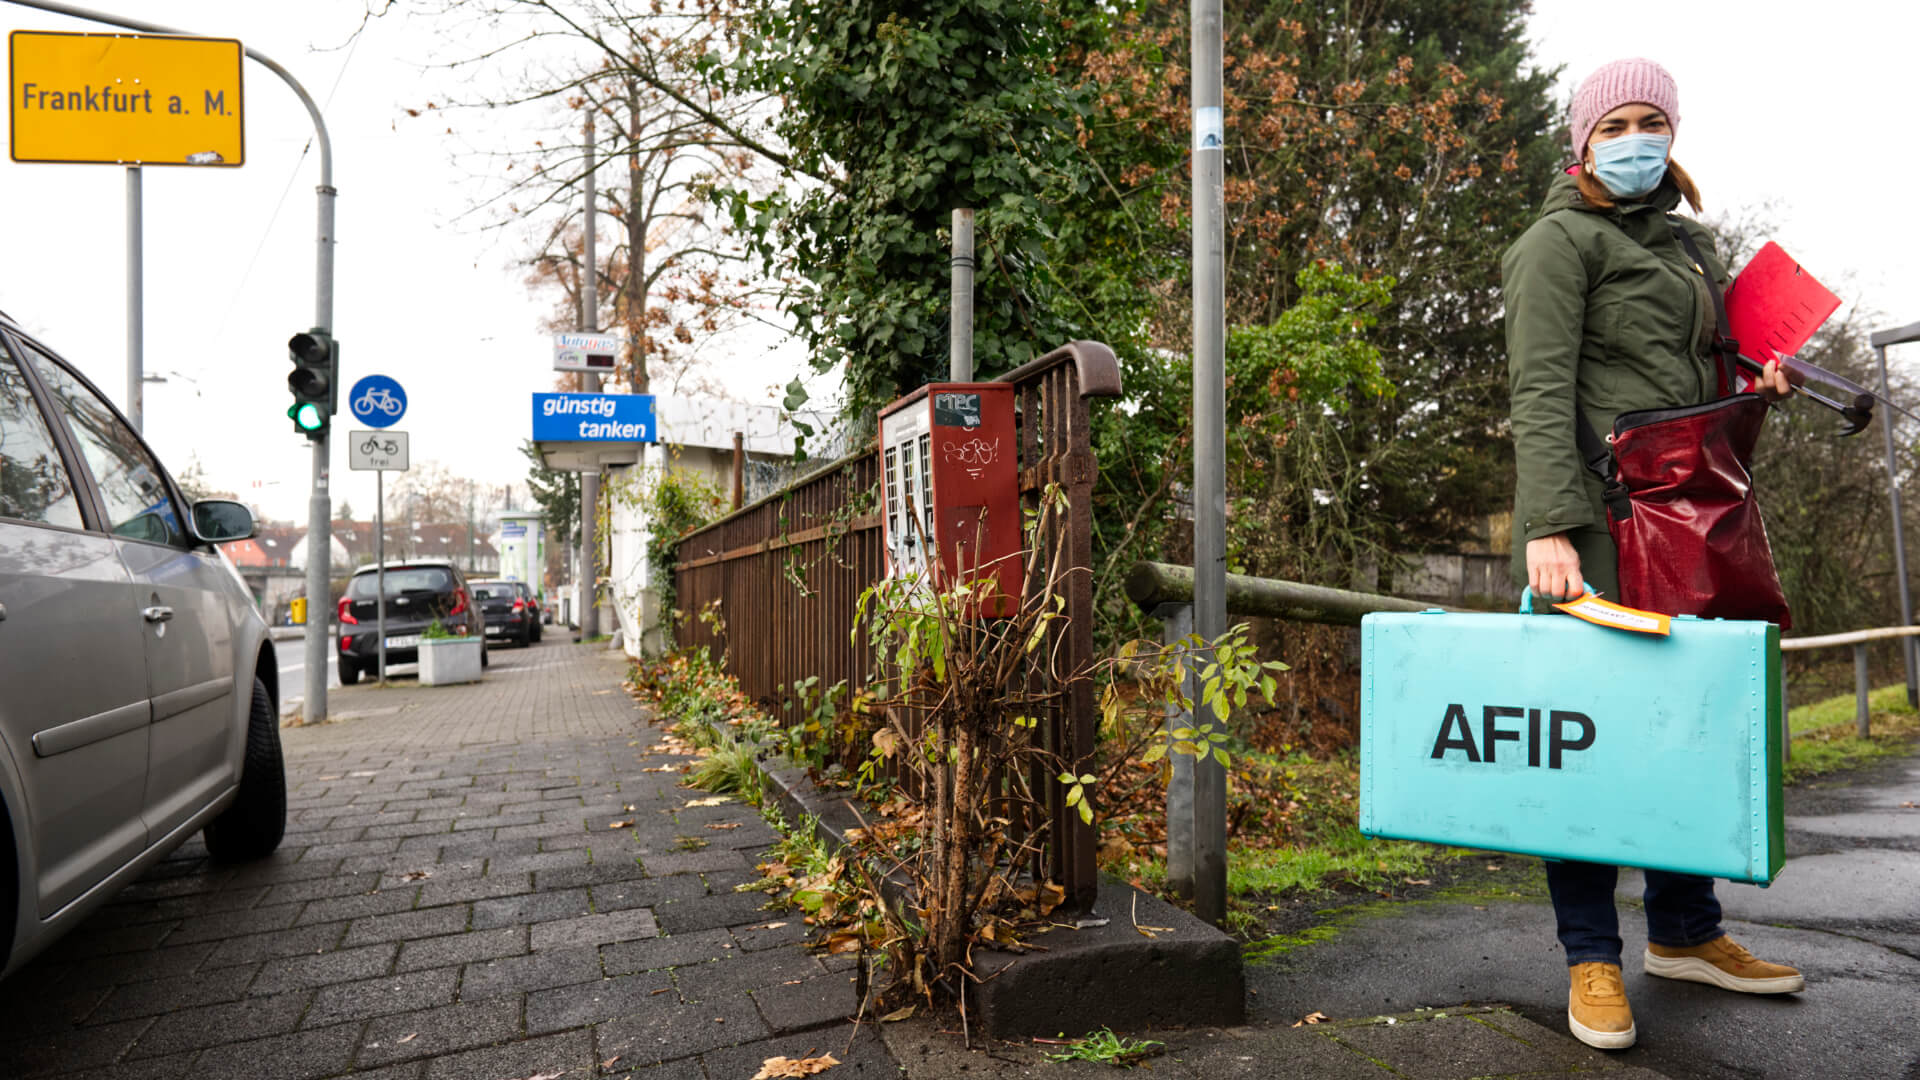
pixel 950 484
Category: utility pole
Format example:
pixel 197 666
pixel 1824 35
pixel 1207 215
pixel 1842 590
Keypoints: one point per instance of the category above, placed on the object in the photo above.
pixel 471 529
pixel 1209 442
pixel 590 481
pixel 319 514
pixel 960 335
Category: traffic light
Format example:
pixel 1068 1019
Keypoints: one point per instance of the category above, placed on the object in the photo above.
pixel 314 380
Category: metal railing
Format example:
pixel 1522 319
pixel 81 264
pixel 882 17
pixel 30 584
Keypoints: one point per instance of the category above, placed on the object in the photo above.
pixel 1859 639
pixel 788 572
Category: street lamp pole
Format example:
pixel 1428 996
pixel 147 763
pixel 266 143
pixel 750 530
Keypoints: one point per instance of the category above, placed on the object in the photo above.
pixel 1880 341
pixel 319 514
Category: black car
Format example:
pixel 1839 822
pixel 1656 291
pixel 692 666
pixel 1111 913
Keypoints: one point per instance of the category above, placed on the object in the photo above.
pixel 420 592
pixel 512 612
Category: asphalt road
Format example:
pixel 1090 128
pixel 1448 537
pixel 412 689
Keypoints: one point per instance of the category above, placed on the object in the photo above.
pixel 1846 910
pixel 292 654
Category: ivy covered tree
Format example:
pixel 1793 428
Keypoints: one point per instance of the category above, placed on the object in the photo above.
pixel 904 110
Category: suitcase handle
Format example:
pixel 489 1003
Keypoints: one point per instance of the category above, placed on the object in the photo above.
pixel 1526 599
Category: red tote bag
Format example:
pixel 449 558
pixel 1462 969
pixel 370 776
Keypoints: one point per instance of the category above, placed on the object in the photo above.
pixel 1681 509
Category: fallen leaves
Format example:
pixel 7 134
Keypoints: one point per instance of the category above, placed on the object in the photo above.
pixel 902 1013
pixel 723 826
pixel 783 1068
pixel 417 875
pixel 712 800
pixel 843 942
pixel 408 1039
pixel 627 824
pixel 1910 805
pixel 1310 1018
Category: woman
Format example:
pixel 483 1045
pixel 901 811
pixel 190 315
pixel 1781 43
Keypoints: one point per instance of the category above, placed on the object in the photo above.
pixel 1606 313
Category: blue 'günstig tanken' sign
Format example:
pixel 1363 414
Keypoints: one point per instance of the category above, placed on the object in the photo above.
pixel 561 418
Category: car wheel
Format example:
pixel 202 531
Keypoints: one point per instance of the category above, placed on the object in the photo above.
pixel 483 656
pixel 253 825
pixel 533 633
pixel 349 673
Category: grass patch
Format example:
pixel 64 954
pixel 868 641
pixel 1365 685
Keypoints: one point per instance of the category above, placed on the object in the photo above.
pixel 1823 733
pixel 730 769
pixel 1340 855
pixel 1103 1047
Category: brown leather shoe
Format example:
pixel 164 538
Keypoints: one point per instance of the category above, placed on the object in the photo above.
pixel 1723 963
pixel 1597 1010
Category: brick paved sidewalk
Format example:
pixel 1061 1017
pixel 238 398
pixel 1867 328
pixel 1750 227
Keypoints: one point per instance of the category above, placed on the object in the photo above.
pixel 450 903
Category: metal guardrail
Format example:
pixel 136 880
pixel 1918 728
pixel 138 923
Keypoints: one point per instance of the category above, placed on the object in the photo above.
pixel 1859 639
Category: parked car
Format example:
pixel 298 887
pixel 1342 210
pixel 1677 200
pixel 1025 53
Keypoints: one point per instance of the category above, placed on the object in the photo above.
pixel 140 700
pixel 511 610
pixel 420 592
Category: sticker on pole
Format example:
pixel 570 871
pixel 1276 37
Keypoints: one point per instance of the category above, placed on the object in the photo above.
pixel 125 99
pixel 377 401
pixel 1209 129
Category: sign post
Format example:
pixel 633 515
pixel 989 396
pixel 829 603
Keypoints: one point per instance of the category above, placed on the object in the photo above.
pixel 379 401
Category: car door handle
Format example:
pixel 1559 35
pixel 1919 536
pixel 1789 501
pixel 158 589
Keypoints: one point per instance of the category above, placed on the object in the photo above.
pixel 157 613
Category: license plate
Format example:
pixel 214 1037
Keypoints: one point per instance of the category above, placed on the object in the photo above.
pixel 406 642
pixel 496 629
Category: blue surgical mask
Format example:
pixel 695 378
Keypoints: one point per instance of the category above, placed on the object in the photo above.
pixel 1631 165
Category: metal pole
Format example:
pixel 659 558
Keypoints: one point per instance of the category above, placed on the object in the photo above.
pixel 1209 441
pixel 1861 688
pixel 380 568
pixel 319 518
pixel 1899 535
pixel 739 469
pixel 960 337
pixel 1175 626
pixel 136 304
pixel 590 481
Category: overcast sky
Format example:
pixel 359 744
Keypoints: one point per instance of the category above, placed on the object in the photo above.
pixel 1781 105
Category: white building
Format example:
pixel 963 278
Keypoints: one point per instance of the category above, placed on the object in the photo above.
pixel 696 435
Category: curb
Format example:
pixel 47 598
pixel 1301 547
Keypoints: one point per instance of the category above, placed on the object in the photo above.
pixel 1090 975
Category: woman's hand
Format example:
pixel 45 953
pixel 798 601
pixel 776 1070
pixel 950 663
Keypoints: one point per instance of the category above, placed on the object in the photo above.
pixel 1553 568
pixel 1772 383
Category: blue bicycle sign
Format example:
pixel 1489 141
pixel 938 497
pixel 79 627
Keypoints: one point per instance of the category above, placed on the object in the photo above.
pixel 377 401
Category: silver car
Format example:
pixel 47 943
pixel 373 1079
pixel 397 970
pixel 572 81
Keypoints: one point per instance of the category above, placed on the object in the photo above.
pixel 138 687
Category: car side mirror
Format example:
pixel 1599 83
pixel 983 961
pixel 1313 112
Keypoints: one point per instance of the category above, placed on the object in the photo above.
pixel 217 521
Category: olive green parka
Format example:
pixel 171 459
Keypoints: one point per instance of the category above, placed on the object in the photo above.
pixel 1603 308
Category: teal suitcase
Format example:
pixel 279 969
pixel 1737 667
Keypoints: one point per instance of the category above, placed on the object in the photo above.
pixel 1545 735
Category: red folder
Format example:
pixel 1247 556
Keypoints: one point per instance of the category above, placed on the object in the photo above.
pixel 1774 306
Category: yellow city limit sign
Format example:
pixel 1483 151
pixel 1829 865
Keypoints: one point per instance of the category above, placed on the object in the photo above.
pixel 125 99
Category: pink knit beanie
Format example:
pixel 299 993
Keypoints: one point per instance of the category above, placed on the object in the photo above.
pixel 1623 82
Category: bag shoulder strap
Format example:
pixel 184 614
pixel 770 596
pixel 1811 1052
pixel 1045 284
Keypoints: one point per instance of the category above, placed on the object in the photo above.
pixel 1726 349
pixel 1593 449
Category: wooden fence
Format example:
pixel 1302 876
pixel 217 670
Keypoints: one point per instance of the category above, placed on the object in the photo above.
pixel 788 572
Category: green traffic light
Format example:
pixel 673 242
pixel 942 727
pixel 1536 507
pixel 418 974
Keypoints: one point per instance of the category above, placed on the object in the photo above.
pixel 308 417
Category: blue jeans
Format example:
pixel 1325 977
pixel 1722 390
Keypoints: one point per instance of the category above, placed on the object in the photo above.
pixel 1681 910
